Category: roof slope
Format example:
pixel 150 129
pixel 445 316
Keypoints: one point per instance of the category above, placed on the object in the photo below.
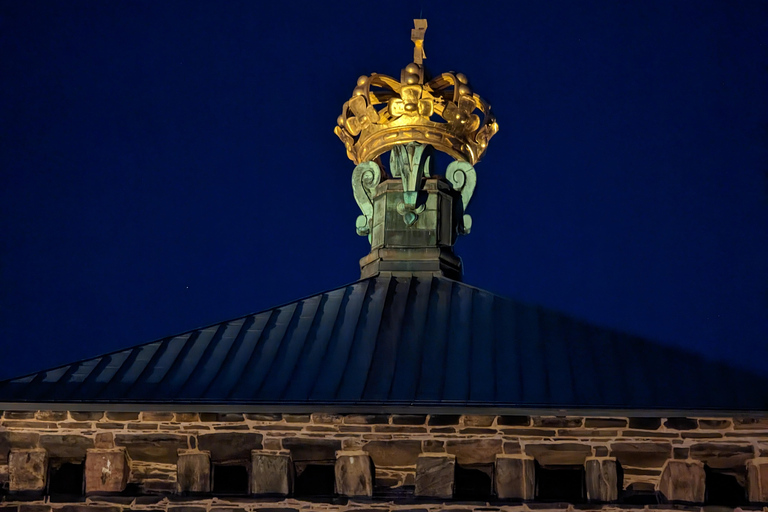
pixel 384 343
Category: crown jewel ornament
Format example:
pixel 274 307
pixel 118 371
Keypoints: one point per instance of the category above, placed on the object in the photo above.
pixel 411 119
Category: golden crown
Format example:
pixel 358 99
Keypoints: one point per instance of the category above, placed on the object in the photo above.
pixel 444 112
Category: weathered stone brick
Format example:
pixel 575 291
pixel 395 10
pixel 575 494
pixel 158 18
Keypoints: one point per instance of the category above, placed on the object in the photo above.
pixel 264 417
pixel 642 454
pixel 757 480
pixel 230 446
pixel 186 417
pixel 474 420
pixel 515 477
pixel 750 423
pixel 231 427
pixel 86 415
pixel 529 432
pixel 157 416
pixel 122 416
pixel 714 424
pixel 683 481
pixel 601 479
pixel 440 420
pixel 35 508
pixel 601 451
pixel 142 425
pixel 19 415
pixel 87 508
pixel 557 422
pixel 153 447
pixel 513 421
pixel 409 419
pixel 431 445
pixel 393 453
pixel 354 476
pixel 477 430
pixel 681 453
pixel 66 446
pixel 512 447
pixel 722 455
pixel 325 418
pixel 647 434
pixel 435 475
pixel 27 469
pixel 681 423
pixel 701 435
pixel 52 415
pixel 303 449
pixel 559 453
pixel 76 425
pixel 366 419
pixel 271 473
pixel 186 508
pixel 104 440
pixel 106 470
pixel 32 425
pixel 354 429
pixel 272 444
pixel 193 472
pixel 396 429
pixel 474 451
pixel 605 423
pixel 296 418
pixel 645 423
pixel 229 417
pixel 10 440
pixel 586 432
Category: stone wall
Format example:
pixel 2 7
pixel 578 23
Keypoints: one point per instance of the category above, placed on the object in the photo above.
pixel 168 454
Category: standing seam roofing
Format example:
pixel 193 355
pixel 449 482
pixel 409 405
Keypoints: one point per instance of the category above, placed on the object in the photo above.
pixel 413 341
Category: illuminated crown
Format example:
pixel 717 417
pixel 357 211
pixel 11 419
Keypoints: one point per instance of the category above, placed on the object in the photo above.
pixel 444 113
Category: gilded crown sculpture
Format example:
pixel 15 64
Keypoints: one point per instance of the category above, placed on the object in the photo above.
pixel 411 118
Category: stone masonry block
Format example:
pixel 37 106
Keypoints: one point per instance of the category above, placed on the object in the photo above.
pixel 435 475
pixel 271 473
pixel 515 477
pixel 353 474
pixel 757 480
pixel 602 479
pixel 683 480
pixel 106 470
pixel 27 469
pixel 193 471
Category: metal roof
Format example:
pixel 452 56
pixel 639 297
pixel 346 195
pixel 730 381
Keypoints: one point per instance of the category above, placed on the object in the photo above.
pixel 389 343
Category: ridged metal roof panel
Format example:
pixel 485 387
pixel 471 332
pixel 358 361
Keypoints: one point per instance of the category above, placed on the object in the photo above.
pixel 416 342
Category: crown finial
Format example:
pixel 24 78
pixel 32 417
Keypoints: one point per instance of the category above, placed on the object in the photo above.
pixel 412 216
pixel 417 36
pixel 384 112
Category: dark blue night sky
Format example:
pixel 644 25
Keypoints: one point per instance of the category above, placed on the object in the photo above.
pixel 167 165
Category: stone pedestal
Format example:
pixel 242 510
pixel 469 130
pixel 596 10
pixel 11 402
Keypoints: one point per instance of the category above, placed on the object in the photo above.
pixel 271 473
pixel 602 479
pixel 515 477
pixel 435 475
pixel 353 473
pixel 193 471
pixel 422 246
pixel 757 480
pixel 27 470
pixel 106 470
pixel 683 480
